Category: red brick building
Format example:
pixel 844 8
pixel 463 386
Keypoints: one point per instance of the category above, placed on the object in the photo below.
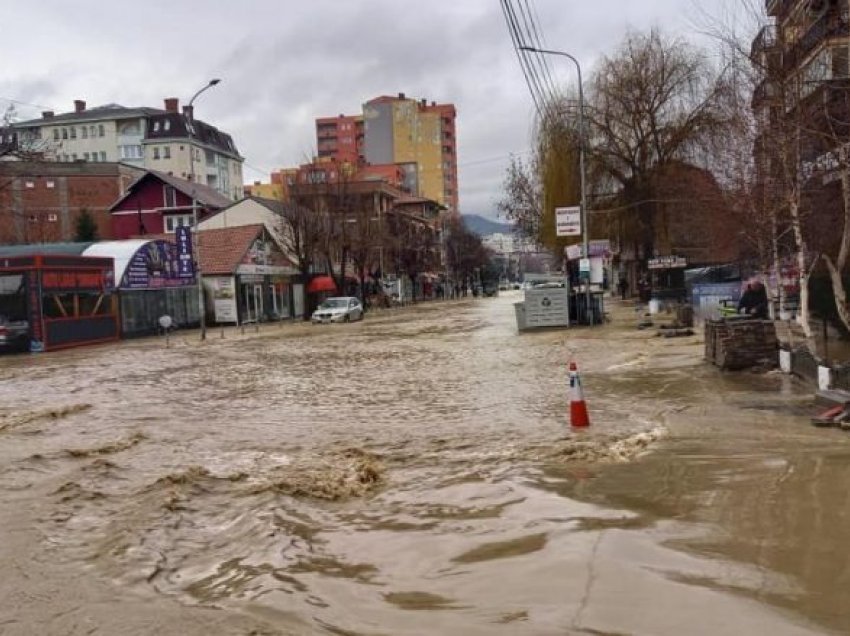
pixel 40 201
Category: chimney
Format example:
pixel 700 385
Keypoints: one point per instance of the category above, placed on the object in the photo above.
pixel 401 95
pixel 79 105
pixel 433 103
pixel 423 102
pixel 47 114
pixel 188 112
pixel 172 105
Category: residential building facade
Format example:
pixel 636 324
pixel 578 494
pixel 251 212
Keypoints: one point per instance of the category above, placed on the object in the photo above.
pixel 417 136
pixel 802 105
pixel 159 203
pixel 40 201
pixel 165 140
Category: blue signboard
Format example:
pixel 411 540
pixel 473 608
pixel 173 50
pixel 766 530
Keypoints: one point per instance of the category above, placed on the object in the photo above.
pixel 185 264
pixel 156 265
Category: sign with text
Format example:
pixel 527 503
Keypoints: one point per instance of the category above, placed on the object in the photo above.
pixel 159 264
pixel 185 266
pixel 667 262
pixel 547 307
pixel 568 221
pixel 224 298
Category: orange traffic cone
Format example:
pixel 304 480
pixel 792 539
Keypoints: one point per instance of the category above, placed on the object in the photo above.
pixel 578 409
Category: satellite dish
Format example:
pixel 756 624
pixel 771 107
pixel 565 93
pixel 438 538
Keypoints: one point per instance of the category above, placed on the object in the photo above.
pixel 165 322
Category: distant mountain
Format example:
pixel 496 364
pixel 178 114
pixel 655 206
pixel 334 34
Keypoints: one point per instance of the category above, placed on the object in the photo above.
pixel 485 227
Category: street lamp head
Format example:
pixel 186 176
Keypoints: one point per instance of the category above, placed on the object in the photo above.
pixel 213 82
pixel 529 48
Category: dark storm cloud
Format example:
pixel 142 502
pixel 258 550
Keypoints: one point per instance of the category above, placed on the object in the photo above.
pixel 284 63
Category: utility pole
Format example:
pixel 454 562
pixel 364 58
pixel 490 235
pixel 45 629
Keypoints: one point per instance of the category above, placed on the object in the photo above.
pixel 189 117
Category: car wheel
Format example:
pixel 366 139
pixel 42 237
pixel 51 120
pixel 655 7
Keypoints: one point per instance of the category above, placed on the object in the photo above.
pixel 347 318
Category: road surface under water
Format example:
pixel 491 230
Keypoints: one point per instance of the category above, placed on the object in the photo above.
pixel 415 474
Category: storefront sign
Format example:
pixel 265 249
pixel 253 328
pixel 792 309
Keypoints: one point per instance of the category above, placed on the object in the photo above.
pixel 667 262
pixel 601 247
pixel 224 298
pixel 568 221
pixel 35 312
pixel 158 264
pixel 185 264
pixel 73 281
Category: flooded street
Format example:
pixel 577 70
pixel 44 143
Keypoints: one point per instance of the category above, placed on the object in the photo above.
pixel 415 473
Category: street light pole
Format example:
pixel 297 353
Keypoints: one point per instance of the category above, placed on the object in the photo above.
pixel 189 117
pixel 582 169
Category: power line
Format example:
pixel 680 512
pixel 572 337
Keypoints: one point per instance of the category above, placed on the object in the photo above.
pixel 514 33
pixel 22 103
pixel 534 33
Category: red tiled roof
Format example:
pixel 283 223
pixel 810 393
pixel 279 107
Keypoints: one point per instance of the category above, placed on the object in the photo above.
pixel 222 250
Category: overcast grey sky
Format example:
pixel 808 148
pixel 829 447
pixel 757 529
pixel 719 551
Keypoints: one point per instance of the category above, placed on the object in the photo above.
pixel 283 63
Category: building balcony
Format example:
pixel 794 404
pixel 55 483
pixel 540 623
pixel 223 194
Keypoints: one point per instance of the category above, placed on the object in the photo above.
pixel 775 8
pixel 327 134
pixel 766 40
pixel 831 24
pixel 764 92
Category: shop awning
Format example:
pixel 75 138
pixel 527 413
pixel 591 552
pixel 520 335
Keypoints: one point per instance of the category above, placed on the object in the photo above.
pixel 321 284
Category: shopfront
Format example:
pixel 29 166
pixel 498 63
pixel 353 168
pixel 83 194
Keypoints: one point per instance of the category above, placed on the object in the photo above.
pixel 59 300
pixel 155 278
pixel 247 279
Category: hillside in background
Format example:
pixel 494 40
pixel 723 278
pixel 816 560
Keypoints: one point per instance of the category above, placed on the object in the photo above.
pixel 485 227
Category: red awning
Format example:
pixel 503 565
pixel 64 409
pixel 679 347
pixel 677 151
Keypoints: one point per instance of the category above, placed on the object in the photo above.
pixel 321 284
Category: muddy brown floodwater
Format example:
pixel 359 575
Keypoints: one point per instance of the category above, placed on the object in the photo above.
pixel 414 474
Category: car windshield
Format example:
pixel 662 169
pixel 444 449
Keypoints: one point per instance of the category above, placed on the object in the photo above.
pixel 333 303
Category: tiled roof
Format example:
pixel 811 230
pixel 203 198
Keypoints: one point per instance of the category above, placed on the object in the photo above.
pixel 222 250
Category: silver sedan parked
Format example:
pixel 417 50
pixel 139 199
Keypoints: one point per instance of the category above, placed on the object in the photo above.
pixel 341 309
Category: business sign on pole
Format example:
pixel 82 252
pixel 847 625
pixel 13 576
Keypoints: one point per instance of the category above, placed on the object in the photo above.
pixel 183 236
pixel 568 221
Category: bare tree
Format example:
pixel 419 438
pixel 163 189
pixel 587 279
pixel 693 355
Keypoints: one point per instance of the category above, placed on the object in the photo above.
pixel 656 101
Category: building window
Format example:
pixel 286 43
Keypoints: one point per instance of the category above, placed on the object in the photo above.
pixel 74 157
pixel 131 151
pixel 155 152
pixel 167 125
pixel 29 185
pixel 52 218
pixel 166 152
pixel 173 221
pixel 55 134
pixel 91 131
pixel 102 155
pixel 101 131
pixel 64 133
pixel 73 132
pixel 170 196
pixel 50 184
pixel 156 126
pixel 84 132
pixel 85 154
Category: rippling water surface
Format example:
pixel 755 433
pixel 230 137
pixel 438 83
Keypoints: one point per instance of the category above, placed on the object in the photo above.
pixel 414 474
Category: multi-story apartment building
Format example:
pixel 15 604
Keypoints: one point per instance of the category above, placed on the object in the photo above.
pixel 801 105
pixel 415 135
pixel 341 138
pixel 158 139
